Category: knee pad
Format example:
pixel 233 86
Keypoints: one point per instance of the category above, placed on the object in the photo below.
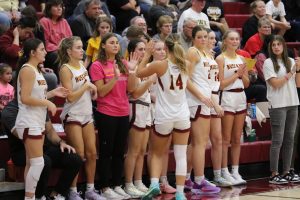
pixel 180 158
pixel 34 172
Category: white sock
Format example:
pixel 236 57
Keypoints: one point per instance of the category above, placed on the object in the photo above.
pixel 127 185
pixel 179 188
pixel 225 170
pixel 154 181
pixel 90 186
pixel 217 173
pixel 199 179
pixel 138 183
pixel 188 176
pixel 235 169
pixel 74 189
pixel 164 179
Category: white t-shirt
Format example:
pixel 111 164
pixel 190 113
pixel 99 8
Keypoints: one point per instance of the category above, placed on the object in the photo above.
pixel 201 18
pixel 287 94
pixel 275 11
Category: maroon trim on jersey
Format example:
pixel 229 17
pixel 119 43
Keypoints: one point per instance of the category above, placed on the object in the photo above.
pixel 214 116
pixel 181 131
pixel 215 92
pixel 159 134
pixel 198 114
pixel 160 83
pixel 26 135
pixel 235 113
pixel 65 122
pixel 235 90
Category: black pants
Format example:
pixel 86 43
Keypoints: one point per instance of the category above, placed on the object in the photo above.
pixel 113 132
pixel 53 157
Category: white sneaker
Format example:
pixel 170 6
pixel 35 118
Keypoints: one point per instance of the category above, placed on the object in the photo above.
pixel 141 187
pixel 238 179
pixel 110 194
pixel 59 197
pixel 134 192
pixel 228 177
pixel 121 192
pixel 221 182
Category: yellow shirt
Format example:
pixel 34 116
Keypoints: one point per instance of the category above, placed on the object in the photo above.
pixel 92 49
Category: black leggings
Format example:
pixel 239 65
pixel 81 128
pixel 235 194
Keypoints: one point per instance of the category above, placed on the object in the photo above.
pixel 53 157
pixel 113 132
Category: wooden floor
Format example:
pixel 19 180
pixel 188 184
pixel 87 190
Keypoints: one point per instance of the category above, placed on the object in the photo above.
pixel 258 189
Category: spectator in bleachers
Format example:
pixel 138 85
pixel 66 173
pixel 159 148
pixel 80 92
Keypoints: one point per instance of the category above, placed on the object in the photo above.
pixel 255 42
pixel 56 154
pixel 56 28
pixel 292 8
pixel 185 37
pixel 113 77
pixel 103 26
pixel 258 9
pixel 124 11
pixel 70 6
pixel 160 8
pixel 9 12
pixel 145 7
pixel 276 13
pixel 194 12
pixel 137 21
pixel 11 42
pixel 84 25
pixel 215 13
pixel 164 27
pixel 282 77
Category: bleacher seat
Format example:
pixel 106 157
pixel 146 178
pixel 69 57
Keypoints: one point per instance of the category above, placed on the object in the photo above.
pixel 236 8
pixel 236 20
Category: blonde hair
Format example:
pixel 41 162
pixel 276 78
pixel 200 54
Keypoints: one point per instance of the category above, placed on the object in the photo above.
pixel 173 45
pixel 223 48
pixel 163 20
pixel 64 45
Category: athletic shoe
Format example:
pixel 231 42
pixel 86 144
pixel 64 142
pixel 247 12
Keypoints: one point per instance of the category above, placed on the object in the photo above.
pixel 93 195
pixel 222 182
pixel 228 177
pixel 58 197
pixel 278 180
pixel 188 184
pixel 74 195
pixel 238 178
pixel 167 188
pixel 121 192
pixel 110 194
pixel 180 196
pixel 292 171
pixel 293 178
pixel 205 188
pixel 134 192
pixel 141 187
pixel 153 191
pixel 42 198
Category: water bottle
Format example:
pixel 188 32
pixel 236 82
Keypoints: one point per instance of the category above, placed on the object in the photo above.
pixel 252 136
pixel 253 111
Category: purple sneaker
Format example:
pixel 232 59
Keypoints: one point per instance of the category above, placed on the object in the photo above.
pixel 205 188
pixel 93 195
pixel 188 184
pixel 75 195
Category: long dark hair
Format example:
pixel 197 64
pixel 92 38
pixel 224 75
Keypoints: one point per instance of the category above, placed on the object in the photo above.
pixel 102 54
pixel 49 4
pixel 28 46
pixel 133 44
pixel 284 56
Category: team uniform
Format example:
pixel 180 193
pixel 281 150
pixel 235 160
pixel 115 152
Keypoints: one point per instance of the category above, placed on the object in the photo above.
pixel 171 108
pixel 233 98
pixel 140 111
pixel 30 122
pixel 200 78
pixel 78 112
pixel 214 82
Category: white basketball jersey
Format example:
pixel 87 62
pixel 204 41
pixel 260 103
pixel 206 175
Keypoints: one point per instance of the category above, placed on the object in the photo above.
pixel 145 97
pixel 171 104
pixel 83 106
pixel 213 76
pixel 200 79
pixel 230 68
pixel 32 116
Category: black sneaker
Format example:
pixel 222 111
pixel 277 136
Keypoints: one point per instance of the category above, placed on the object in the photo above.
pixel 292 171
pixel 293 178
pixel 277 179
